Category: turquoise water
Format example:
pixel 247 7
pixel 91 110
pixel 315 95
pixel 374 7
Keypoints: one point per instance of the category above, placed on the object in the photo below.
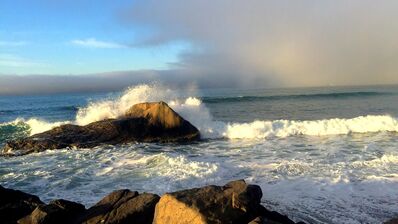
pixel 322 155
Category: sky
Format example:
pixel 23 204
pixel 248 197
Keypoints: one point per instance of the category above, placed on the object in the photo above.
pixel 80 45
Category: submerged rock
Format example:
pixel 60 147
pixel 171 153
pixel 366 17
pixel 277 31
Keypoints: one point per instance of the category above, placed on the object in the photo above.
pixel 123 206
pixel 16 204
pixel 144 122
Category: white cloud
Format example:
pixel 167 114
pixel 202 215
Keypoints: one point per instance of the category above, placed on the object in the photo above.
pixel 12 43
pixel 93 43
pixel 9 60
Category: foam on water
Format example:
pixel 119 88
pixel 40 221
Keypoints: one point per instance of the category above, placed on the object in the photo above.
pixel 163 165
pixel 318 189
pixel 336 126
pixel 86 175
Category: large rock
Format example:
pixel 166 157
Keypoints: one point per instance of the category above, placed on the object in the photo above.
pixel 145 122
pixel 58 211
pixel 236 202
pixel 16 204
pixel 123 206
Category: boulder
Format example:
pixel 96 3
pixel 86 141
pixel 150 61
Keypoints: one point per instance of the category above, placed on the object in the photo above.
pixel 16 204
pixel 58 211
pixel 144 122
pixel 123 206
pixel 236 202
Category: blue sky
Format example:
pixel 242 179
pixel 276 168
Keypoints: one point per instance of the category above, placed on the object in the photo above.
pixel 75 37
pixel 223 43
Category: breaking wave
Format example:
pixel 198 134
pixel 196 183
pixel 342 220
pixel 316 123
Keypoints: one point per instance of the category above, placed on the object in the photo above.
pixel 22 128
pixel 195 111
pixel 335 126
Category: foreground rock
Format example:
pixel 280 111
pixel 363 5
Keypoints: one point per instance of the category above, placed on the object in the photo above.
pixel 236 202
pixel 123 206
pixel 145 122
pixel 16 204
pixel 58 211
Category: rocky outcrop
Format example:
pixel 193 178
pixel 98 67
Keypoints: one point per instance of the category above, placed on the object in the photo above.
pixel 123 206
pixel 233 203
pixel 145 122
pixel 16 204
pixel 236 202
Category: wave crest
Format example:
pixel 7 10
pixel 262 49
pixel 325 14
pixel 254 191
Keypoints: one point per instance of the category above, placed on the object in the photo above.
pixel 335 126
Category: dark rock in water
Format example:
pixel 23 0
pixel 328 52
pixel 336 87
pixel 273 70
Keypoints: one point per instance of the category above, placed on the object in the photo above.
pixel 392 221
pixel 16 204
pixel 236 202
pixel 273 217
pixel 58 211
pixel 123 206
pixel 144 122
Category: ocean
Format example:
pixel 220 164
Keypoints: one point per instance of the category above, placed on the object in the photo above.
pixel 320 155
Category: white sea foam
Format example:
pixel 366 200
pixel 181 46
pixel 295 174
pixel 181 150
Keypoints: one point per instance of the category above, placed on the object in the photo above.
pixel 163 165
pixel 336 126
pixel 381 162
pixel 36 125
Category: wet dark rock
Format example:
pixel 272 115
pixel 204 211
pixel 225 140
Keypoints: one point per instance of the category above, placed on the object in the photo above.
pixel 144 122
pixel 58 211
pixel 273 217
pixel 392 221
pixel 123 206
pixel 16 204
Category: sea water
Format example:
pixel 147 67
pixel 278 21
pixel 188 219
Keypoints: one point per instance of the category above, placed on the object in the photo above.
pixel 321 155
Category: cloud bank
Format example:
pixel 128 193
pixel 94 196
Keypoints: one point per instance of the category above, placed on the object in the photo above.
pixel 280 42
